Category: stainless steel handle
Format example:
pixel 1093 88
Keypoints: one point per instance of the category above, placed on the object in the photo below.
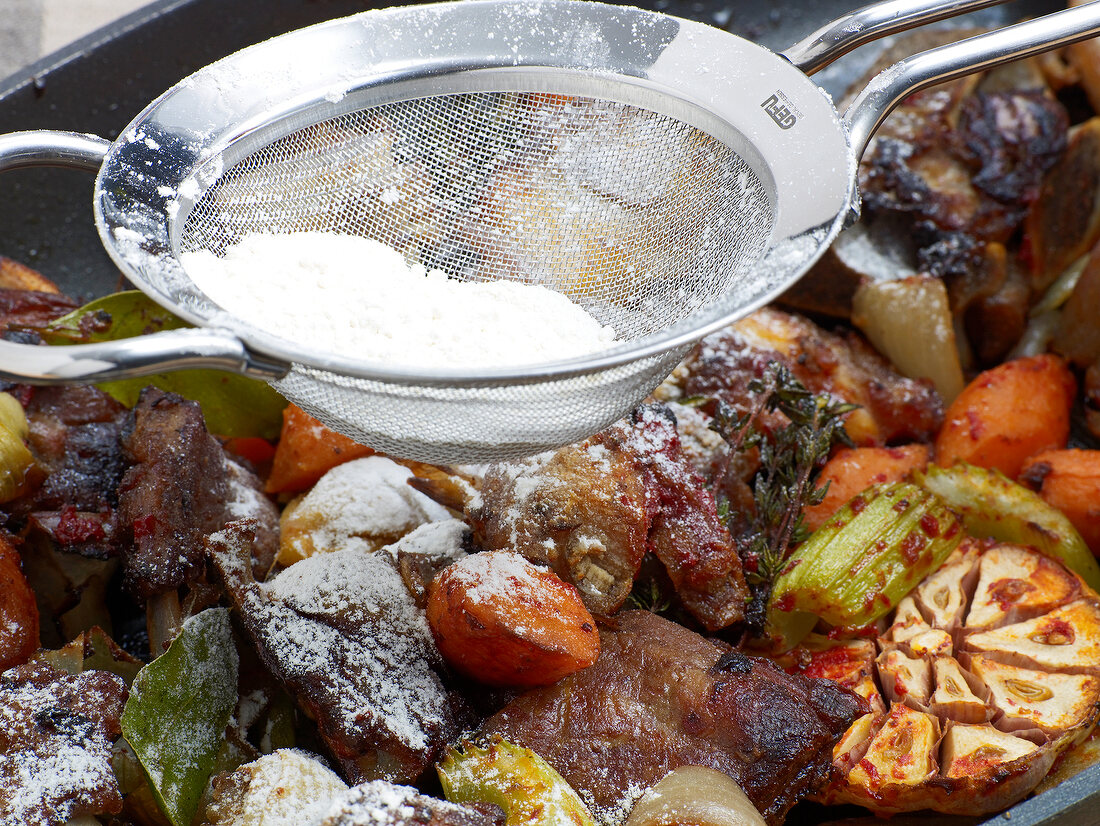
pixel 835 39
pixel 52 148
pixel 133 357
pixel 891 86
pixel 128 358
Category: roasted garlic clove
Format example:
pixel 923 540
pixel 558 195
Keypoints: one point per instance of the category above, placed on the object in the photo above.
pixel 1053 703
pixel 943 595
pixel 903 752
pixel 1017 583
pixel 905 679
pixel 970 750
pixel 954 699
pixel 1067 639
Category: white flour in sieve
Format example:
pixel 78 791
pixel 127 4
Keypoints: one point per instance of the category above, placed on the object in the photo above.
pixel 357 297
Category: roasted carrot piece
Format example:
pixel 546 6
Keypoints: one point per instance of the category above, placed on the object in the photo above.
pixel 1009 413
pixel 503 621
pixel 18 611
pixel 1069 480
pixel 852 470
pixel 306 451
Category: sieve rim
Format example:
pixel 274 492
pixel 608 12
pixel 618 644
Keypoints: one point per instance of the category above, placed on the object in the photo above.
pixel 157 241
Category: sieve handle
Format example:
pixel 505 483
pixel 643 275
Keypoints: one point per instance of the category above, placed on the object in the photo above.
pixel 892 85
pixel 52 148
pixel 836 39
pixel 108 360
pixel 163 352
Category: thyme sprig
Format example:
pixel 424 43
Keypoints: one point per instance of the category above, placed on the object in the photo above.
pixel 789 458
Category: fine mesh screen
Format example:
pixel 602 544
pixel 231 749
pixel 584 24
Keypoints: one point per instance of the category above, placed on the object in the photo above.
pixel 636 216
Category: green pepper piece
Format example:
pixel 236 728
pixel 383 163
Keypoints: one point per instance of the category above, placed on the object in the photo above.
pixel 992 505
pixel 859 564
pixel 525 786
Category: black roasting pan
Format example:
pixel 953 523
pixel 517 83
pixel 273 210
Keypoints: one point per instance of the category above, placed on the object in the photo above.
pixel 101 82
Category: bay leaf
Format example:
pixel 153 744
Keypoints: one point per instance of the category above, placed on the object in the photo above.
pixel 178 709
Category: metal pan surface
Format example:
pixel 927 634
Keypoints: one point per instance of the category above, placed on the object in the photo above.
pixel 101 82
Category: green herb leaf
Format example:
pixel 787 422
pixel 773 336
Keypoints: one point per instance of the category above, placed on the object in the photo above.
pixel 233 405
pixel 113 317
pixel 178 709
pixel 785 484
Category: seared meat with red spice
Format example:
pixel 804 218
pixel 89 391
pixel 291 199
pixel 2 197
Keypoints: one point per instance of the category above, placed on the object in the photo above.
pixel 181 488
pixel 74 433
pixel 592 510
pixel 660 697
pixel 892 408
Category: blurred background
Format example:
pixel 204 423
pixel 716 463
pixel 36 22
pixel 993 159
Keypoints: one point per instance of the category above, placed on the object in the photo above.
pixel 30 29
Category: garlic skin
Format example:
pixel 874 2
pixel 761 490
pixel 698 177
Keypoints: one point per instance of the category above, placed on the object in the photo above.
pixel 695 796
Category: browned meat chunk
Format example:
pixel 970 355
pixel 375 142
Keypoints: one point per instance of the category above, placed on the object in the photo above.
pixel 31 308
pixel 592 510
pixel 893 408
pixel 180 489
pixel 384 804
pixel 350 644
pixel 75 438
pixel 581 510
pixel 56 732
pixel 685 533
pixel 660 697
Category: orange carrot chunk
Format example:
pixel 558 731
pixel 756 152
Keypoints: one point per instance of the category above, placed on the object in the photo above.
pixel 503 621
pixel 852 470
pixel 1009 413
pixel 18 611
pixel 1069 480
pixel 307 450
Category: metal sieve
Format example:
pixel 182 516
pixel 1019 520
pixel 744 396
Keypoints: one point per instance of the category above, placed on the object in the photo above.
pixel 665 175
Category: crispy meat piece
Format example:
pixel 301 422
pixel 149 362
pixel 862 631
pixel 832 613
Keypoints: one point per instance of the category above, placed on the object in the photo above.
pixel 30 308
pixel 591 511
pixel 581 510
pixel 69 518
pixel 56 732
pixel 685 532
pixel 74 433
pixel 894 409
pixel 972 168
pixel 385 804
pixel 346 638
pixel 181 488
pixel 660 697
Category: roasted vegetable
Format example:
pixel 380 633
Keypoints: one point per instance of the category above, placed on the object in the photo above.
pixel 909 321
pixel 852 470
pixel 16 460
pixel 990 670
pixel 285 786
pixel 1009 413
pixel 501 620
pixel 517 780
pixel 306 451
pixel 857 567
pixel 1069 480
pixel 992 505
pixel 695 795
pixel 18 611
